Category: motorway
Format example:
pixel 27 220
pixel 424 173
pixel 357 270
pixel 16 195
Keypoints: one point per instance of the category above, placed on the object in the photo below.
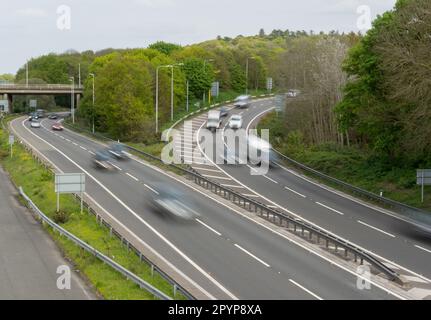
pixel 28 257
pixel 367 226
pixel 225 254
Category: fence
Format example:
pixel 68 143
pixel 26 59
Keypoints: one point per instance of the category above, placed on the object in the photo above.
pixel 129 275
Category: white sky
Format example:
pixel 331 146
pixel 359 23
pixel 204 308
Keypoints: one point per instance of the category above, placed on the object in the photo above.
pixel 29 28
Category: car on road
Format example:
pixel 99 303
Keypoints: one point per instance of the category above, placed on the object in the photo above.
pixel 171 202
pixel 214 120
pixel 243 101
pixel 235 122
pixel 293 93
pixel 40 113
pixel 101 161
pixel 53 116
pixel 117 150
pixel 35 124
pixel 224 112
pixel 57 127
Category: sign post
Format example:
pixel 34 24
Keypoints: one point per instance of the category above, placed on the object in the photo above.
pixel 11 143
pixel 423 178
pixel 269 84
pixel 70 183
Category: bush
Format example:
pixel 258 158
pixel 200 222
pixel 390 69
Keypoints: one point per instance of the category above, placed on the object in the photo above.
pixel 61 217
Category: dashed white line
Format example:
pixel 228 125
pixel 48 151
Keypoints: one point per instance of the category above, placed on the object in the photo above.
pixel 377 229
pixel 134 178
pixel 422 248
pixel 75 144
pixel 252 255
pixel 305 289
pixel 151 189
pixel 91 152
pixel 329 208
pixel 296 192
pixel 83 148
pixel 115 166
pixel 209 228
pixel 272 180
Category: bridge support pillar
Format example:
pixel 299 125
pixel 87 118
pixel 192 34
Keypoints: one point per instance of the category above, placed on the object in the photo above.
pixel 9 98
pixel 78 100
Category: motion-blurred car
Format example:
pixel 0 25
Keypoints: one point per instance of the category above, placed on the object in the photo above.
pixel 35 124
pixel 172 202
pixel 235 122
pixel 57 127
pixel 101 161
pixel 242 102
pixel 224 112
pixel 53 116
pixel 117 150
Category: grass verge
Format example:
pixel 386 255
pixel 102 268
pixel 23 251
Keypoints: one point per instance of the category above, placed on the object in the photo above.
pixel 38 184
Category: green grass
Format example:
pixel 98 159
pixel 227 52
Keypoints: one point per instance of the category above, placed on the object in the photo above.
pixel 358 167
pixel 37 183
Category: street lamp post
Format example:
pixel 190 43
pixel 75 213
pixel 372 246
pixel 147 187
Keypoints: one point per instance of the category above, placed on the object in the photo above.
pixel 205 64
pixel 94 99
pixel 72 99
pixel 26 74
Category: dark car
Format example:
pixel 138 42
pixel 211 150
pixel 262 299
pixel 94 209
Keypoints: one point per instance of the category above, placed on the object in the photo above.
pixel 53 116
pixel 172 202
pixel 224 112
pixel 101 161
pixel 117 150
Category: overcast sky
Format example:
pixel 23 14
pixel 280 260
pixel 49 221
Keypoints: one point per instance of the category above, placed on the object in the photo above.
pixel 32 28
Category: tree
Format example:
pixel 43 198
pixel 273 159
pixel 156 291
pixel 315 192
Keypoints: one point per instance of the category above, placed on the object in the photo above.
pixel 165 47
pixel 199 74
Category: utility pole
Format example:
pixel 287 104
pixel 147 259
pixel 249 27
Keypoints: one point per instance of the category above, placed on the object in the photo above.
pixel 72 100
pixel 94 99
pixel 26 73
pixel 79 75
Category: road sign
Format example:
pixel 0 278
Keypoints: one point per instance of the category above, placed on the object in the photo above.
pixel 4 106
pixel 215 89
pixel 269 84
pixel 280 103
pixel 33 104
pixel 423 178
pixel 70 183
pixel 11 139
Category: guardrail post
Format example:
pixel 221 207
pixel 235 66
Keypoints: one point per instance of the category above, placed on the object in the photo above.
pixel 152 270
pixel 175 290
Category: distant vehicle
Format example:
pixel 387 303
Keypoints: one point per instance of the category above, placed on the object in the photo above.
pixel 57 127
pixel 101 161
pixel 243 101
pixel 35 124
pixel 117 150
pixel 293 93
pixel 224 112
pixel 214 120
pixel 53 116
pixel 40 113
pixel 235 122
pixel 174 203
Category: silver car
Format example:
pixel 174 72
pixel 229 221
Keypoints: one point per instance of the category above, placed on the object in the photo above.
pixel 35 124
pixel 235 122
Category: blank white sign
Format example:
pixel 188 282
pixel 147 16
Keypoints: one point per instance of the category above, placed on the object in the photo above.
pixel 70 183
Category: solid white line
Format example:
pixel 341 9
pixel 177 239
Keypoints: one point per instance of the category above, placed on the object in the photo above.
pixel 232 186
pixel 253 256
pixel 296 192
pixel 272 180
pixel 151 189
pixel 377 229
pixel 250 195
pixel 214 177
pixel 116 167
pixel 422 248
pixel 208 227
pixel 329 208
pixel 134 178
pixel 305 289
pixel 205 169
pixel 137 216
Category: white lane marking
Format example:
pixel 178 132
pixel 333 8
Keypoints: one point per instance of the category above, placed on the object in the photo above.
pixel 62 137
pixel 296 192
pixel 83 148
pixel 205 169
pixel 422 248
pixel 252 255
pixel 377 229
pixel 115 166
pixel 305 289
pixel 329 208
pixel 151 189
pixel 137 216
pixel 91 152
pixel 133 177
pixel 232 186
pixel 75 144
pixel 272 180
pixel 214 177
pixel 250 195
pixel 301 245
pixel 208 227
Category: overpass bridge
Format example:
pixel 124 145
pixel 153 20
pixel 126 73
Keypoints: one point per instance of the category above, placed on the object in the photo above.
pixel 7 91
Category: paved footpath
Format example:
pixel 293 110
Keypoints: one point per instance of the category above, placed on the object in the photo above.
pixel 29 258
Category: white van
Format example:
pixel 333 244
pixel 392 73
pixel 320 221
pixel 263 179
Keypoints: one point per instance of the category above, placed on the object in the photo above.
pixel 214 120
